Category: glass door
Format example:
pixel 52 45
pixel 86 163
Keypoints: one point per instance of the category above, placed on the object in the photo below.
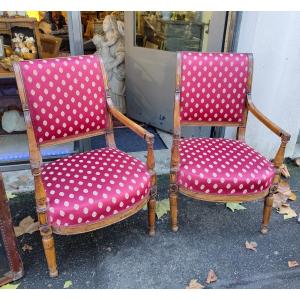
pixel 151 41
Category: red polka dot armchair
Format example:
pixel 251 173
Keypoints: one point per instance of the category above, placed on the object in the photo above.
pixel 64 100
pixel 214 89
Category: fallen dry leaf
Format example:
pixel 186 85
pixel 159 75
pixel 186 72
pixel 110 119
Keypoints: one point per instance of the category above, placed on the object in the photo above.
pixel 251 245
pixel 162 207
pixel 284 171
pixel 287 212
pixel 194 284
pixel 292 196
pixel 297 161
pixel 10 195
pixel 284 189
pixel 234 206
pixel 211 277
pixel 279 200
pixel 293 263
pixel 27 247
pixel 27 225
pixel 18 231
pixel 68 284
pixel 10 286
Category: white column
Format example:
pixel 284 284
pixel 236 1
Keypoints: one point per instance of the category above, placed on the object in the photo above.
pixel 274 40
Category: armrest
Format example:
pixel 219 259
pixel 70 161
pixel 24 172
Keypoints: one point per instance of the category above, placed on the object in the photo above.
pixel 146 135
pixel 285 137
pixel 266 121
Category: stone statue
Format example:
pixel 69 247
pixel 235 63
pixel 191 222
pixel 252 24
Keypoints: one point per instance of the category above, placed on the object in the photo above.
pixel 111 48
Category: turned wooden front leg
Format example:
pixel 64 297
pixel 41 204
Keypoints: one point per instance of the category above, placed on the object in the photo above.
pixel 267 213
pixel 49 249
pixel 269 203
pixel 278 161
pixel 45 229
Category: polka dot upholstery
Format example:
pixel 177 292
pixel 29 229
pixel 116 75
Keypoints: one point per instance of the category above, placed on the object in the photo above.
pixel 213 86
pixel 89 187
pixel 66 96
pixel 222 166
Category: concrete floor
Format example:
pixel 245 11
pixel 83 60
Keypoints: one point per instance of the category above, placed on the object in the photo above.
pixel 210 236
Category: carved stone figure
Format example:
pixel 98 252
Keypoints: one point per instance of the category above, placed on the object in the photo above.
pixel 111 48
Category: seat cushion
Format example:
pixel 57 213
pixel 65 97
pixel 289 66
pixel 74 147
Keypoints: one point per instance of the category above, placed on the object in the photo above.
pixel 223 166
pixel 91 186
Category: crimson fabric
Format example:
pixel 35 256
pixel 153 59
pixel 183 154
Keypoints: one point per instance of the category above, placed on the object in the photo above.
pixel 66 96
pixel 91 186
pixel 222 166
pixel 213 86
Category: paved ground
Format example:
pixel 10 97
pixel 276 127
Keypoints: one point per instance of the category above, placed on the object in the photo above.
pixel 209 237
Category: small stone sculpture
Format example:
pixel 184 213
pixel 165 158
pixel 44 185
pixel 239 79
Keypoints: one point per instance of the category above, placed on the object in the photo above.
pixel 111 48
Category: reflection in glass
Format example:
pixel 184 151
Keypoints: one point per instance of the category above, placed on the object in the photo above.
pixel 92 24
pixel 172 30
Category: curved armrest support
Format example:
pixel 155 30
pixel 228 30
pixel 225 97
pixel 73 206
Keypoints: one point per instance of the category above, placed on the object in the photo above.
pixel 285 137
pixel 266 121
pixel 146 135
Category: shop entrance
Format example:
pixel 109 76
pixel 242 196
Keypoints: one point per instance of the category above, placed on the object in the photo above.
pixel 151 42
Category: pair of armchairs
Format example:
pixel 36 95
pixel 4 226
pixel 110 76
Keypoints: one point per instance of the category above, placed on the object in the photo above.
pixel 67 99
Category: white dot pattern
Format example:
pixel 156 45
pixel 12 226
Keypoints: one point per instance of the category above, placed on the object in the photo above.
pixel 213 86
pixel 223 166
pixel 91 186
pixel 66 96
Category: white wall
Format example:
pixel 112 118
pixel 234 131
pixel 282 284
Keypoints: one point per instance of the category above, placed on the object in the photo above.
pixel 274 40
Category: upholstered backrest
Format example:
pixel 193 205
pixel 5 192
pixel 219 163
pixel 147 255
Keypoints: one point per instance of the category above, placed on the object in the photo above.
pixel 65 96
pixel 213 86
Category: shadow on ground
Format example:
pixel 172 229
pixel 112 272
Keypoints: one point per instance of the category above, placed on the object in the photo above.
pixel 209 237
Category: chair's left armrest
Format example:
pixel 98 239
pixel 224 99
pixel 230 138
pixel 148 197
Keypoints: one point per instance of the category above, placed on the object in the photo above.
pixel 285 137
pixel 266 121
pixel 146 135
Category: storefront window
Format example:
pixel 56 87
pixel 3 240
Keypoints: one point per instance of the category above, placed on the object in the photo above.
pixel 39 34
pixel 26 35
pixel 92 24
pixel 172 30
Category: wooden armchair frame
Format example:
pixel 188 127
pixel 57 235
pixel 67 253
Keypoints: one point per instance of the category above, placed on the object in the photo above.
pixel 46 229
pixel 174 187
